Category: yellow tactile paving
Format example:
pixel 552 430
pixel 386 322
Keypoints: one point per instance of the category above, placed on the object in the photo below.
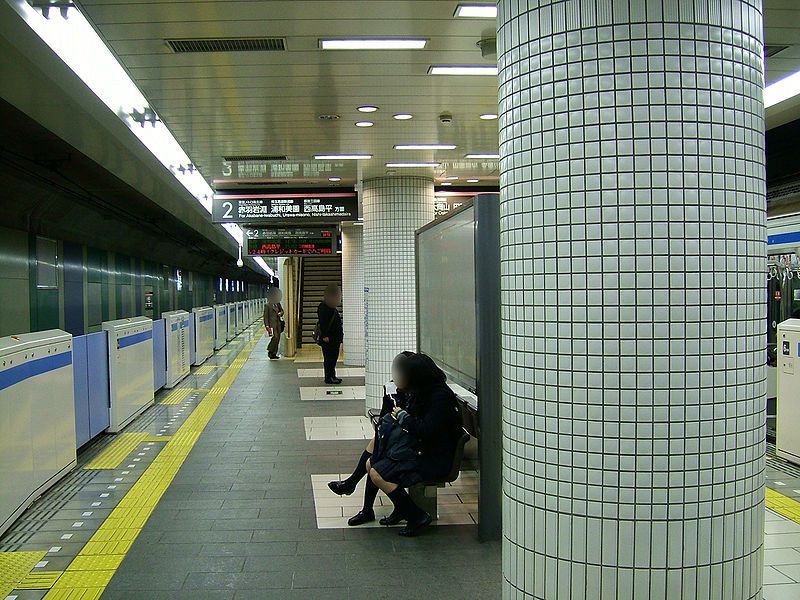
pixel 89 573
pixel 177 396
pixel 15 566
pixel 205 370
pixel 783 505
pixel 118 450
pixel 39 580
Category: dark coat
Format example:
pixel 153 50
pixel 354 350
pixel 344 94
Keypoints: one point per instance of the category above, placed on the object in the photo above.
pixel 330 324
pixel 434 419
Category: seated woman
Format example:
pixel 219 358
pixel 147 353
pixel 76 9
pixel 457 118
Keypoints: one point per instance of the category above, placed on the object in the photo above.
pixel 348 486
pixel 432 422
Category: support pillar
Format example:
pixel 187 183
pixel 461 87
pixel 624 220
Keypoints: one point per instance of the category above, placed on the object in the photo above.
pixel 394 208
pixel 353 293
pixel 632 161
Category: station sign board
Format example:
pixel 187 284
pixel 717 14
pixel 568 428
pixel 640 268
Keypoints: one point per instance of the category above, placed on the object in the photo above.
pixel 255 209
pixel 291 241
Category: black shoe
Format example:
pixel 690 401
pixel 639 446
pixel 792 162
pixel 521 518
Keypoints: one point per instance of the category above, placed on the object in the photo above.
pixel 276 357
pixel 414 527
pixel 340 488
pixel 334 381
pixel 392 519
pixel 363 516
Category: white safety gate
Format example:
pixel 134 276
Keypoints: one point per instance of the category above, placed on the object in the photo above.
pixel 130 369
pixel 37 418
pixel 203 333
pixel 220 326
pixel 177 332
pixel 231 320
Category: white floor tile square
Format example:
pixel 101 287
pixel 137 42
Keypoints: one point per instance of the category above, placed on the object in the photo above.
pixel 340 372
pixel 338 428
pixel 333 392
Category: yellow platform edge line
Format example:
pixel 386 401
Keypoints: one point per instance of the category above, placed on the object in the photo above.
pixel 94 566
pixel 117 451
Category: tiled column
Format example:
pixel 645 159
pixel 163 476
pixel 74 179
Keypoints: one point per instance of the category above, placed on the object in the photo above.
pixel 394 208
pixel 353 293
pixel 633 315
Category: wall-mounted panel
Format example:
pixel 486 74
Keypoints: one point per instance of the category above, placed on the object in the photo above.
pixel 203 334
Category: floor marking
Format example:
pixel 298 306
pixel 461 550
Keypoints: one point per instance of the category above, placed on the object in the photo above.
pixel 783 505
pixel 92 569
pixel 118 450
pixel 207 370
pixel 43 580
pixel 177 396
pixel 16 566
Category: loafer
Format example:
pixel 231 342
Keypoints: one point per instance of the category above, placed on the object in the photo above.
pixel 393 519
pixel 363 516
pixel 415 527
pixel 340 488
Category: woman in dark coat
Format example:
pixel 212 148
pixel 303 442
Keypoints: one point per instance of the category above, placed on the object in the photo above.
pixel 432 422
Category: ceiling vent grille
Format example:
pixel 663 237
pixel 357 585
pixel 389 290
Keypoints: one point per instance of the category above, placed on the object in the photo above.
pixel 257 157
pixel 228 45
pixel 770 51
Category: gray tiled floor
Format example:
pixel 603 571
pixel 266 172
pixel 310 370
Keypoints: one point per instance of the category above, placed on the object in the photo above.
pixel 239 520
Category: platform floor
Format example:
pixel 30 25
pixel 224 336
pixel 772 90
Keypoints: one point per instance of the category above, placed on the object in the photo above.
pixel 218 493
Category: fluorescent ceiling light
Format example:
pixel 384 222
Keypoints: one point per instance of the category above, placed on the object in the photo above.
pixel 403 116
pixel 451 177
pixel 342 156
pixel 466 70
pixel 264 266
pixel 477 11
pixel 446 183
pixel 364 124
pixel 784 89
pixel 473 180
pixel 482 156
pixel 75 42
pixel 374 44
pixel 488 116
pixel 425 147
pixel 413 164
pixel 334 178
pixel 367 108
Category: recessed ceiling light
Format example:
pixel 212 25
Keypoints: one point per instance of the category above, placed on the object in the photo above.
pixel 446 183
pixel 413 164
pixel 451 177
pixel 367 108
pixel 482 156
pixel 477 11
pixel 488 116
pixel 473 180
pixel 342 156
pixel 402 116
pixel 373 44
pixel 425 147
pixel 334 178
pixel 364 124
pixel 465 70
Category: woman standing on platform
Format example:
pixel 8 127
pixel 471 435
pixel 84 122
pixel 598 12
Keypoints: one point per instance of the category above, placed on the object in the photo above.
pixel 331 331
pixel 273 321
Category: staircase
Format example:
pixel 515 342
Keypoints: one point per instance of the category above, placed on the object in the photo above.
pixel 317 274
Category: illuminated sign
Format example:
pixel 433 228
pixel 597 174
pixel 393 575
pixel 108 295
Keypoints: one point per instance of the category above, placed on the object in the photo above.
pixel 278 241
pixel 252 209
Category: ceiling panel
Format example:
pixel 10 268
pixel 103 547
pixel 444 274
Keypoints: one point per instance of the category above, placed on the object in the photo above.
pixel 268 102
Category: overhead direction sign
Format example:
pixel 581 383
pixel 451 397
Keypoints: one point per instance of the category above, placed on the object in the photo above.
pixel 291 241
pixel 255 209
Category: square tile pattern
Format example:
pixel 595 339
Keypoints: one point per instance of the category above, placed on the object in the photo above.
pixel 457 502
pixel 393 208
pixel 338 428
pixel 632 152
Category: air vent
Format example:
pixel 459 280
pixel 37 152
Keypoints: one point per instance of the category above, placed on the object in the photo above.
pixel 770 51
pixel 330 117
pixel 255 157
pixel 229 45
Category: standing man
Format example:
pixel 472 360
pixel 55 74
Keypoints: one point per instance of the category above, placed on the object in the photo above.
pixel 331 331
pixel 273 322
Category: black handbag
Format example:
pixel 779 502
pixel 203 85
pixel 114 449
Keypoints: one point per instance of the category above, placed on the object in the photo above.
pixel 395 442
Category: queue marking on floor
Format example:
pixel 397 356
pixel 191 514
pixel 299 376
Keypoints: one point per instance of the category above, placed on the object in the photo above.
pixel 90 572
pixel 117 451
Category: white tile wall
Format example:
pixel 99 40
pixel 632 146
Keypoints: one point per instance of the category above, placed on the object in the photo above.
pixel 353 293
pixel 394 208
pixel 632 165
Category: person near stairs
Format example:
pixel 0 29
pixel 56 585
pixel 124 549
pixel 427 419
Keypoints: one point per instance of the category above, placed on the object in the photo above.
pixel 331 331
pixel 273 321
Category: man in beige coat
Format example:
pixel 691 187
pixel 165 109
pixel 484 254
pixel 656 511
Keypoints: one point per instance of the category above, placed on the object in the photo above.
pixel 273 321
